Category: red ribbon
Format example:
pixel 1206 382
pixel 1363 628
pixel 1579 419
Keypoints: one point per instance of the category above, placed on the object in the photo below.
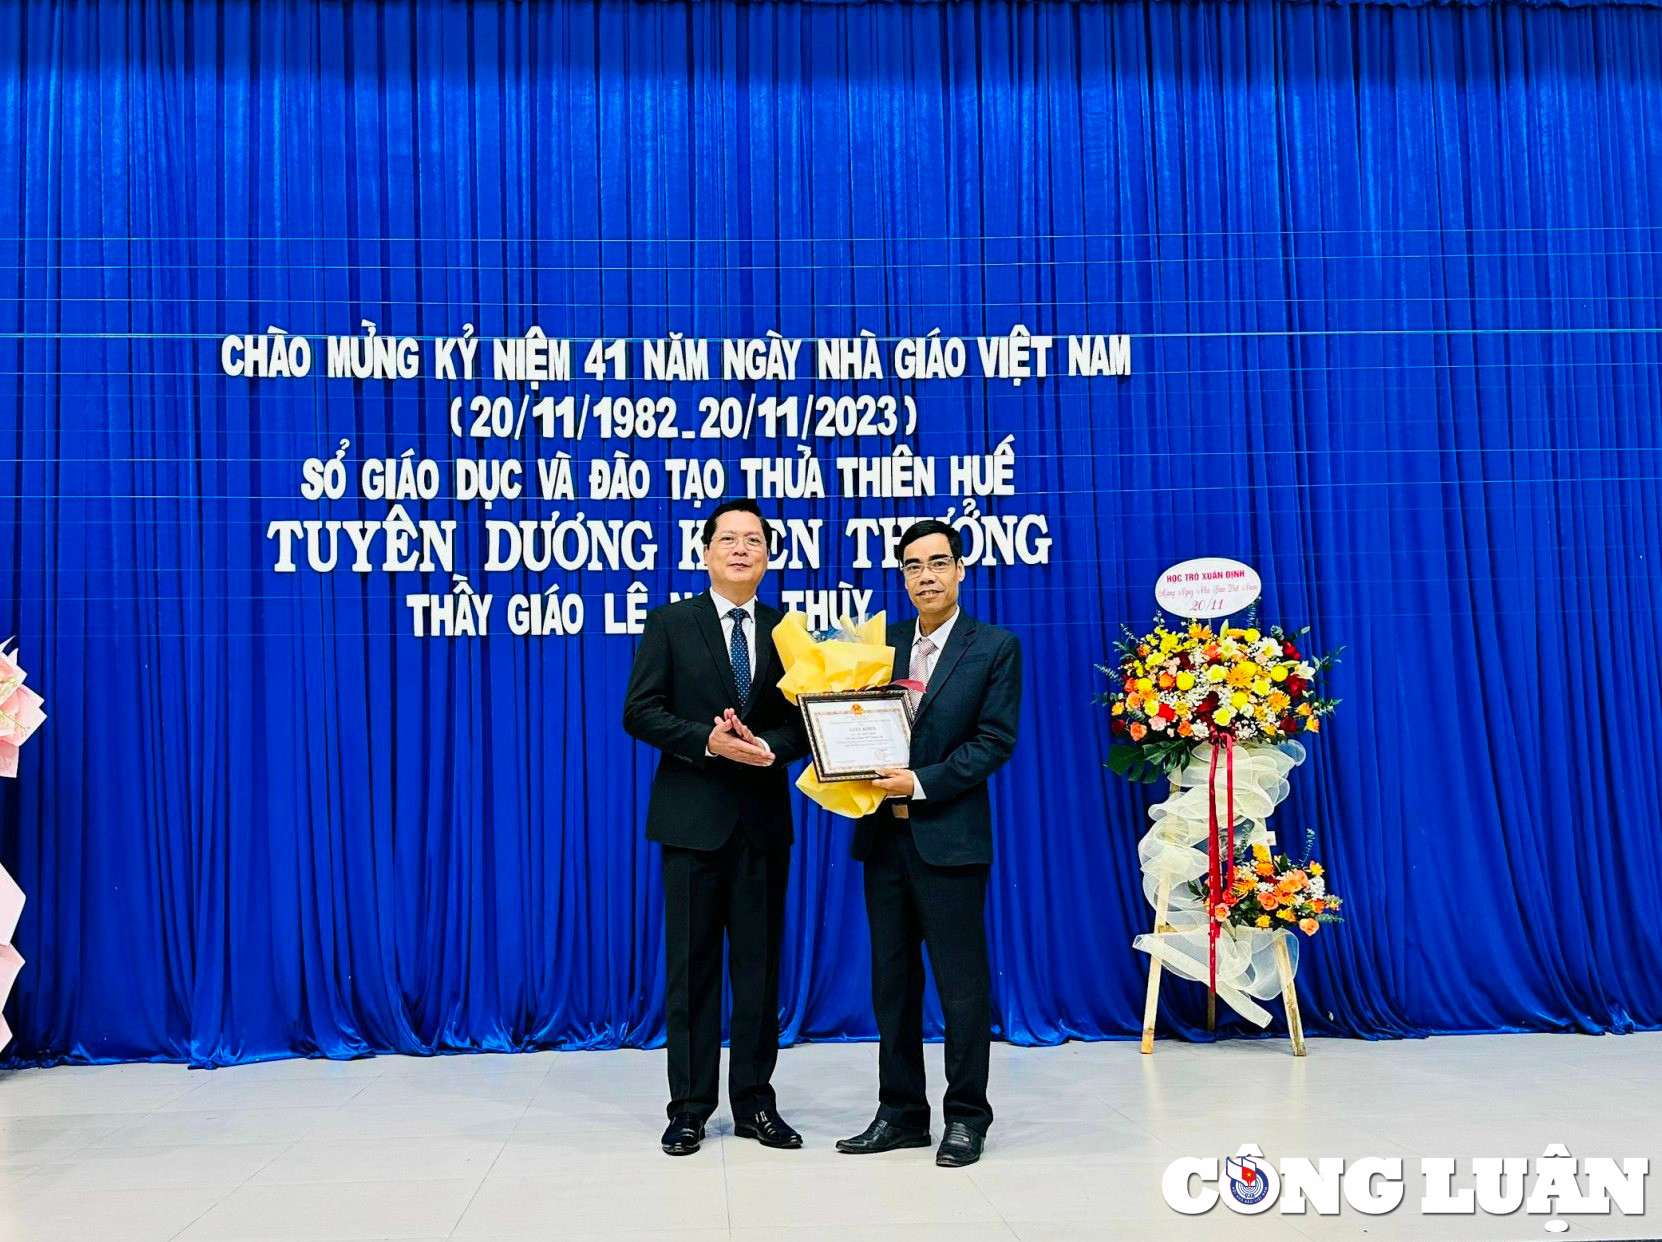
pixel 1220 871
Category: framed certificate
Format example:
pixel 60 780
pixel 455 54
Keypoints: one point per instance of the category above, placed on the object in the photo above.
pixel 854 733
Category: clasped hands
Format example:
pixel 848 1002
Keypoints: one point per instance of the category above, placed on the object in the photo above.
pixel 732 739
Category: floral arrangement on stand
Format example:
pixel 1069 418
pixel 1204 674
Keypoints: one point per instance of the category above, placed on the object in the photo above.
pixel 1222 713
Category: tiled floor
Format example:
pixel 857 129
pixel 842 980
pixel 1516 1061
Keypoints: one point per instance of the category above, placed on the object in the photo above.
pixel 559 1145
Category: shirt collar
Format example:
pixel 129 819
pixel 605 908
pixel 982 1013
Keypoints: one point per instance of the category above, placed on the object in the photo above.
pixel 725 605
pixel 941 634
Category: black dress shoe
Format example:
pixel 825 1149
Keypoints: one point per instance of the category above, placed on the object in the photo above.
pixel 769 1129
pixel 684 1134
pixel 882 1135
pixel 960 1145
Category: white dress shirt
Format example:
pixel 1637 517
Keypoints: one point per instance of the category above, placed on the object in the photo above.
pixel 938 638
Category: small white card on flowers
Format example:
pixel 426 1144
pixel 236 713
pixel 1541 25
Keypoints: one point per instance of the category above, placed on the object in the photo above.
pixel 1207 587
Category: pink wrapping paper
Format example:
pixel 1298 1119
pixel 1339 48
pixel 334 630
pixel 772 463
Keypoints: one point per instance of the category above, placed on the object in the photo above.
pixel 11 906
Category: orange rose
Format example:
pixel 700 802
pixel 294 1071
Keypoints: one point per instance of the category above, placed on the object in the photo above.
pixel 1318 905
pixel 1308 926
pixel 1167 681
pixel 1138 731
pixel 1220 911
pixel 1185 729
pixel 1268 900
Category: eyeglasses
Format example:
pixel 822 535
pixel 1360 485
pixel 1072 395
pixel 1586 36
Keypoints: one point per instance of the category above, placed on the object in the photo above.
pixel 728 541
pixel 935 565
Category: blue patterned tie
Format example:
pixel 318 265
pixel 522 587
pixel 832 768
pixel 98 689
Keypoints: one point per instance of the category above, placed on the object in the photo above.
pixel 741 658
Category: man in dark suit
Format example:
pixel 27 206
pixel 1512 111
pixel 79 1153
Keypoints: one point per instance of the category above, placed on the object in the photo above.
pixel 704 690
pixel 927 853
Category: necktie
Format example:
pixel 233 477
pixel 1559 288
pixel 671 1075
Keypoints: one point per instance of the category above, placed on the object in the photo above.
pixel 740 652
pixel 921 651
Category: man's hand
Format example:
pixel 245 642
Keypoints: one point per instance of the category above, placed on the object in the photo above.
pixel 739 728
pixel 730 739
pixel 896 781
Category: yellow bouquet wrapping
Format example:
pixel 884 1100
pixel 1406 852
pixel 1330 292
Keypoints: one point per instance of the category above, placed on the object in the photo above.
pixel 812 667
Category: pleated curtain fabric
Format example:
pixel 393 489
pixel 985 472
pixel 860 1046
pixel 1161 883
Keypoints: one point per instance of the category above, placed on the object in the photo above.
pixel 1391 277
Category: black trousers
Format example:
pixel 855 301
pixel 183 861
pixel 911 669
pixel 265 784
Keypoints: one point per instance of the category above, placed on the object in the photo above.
pixel 737 891
pixel 909 904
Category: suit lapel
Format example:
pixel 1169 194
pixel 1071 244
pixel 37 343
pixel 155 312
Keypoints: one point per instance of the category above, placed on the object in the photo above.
pixel 767 660
pixel 709 624
pixel 900 638
pixel 963 630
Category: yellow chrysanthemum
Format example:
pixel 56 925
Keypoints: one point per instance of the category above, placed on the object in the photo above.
pixel 1223 715
pixel 1216 673
pixel 1279 672
pixel 1185 681
pixel 1239 699
pixel 1261 686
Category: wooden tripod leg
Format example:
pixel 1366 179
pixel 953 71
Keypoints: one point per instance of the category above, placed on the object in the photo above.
pixel 1152 1003
pixel 1289 994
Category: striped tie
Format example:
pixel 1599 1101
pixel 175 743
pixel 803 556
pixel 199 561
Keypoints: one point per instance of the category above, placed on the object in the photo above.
pixel 920 668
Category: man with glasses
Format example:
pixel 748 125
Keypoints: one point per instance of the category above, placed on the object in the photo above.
pixel 928 851
pixel 704 691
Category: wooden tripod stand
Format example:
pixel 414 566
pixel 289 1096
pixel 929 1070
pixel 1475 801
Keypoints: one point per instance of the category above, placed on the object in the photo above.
pixel 1283 967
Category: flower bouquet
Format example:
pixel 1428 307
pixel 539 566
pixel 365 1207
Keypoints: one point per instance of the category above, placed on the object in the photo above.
pixel 853 657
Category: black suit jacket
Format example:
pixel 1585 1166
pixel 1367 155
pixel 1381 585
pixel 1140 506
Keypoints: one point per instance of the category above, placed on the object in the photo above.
pixel 682 680
pixel 964 731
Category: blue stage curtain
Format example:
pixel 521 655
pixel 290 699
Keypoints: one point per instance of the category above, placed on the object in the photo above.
pixel 1392 274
